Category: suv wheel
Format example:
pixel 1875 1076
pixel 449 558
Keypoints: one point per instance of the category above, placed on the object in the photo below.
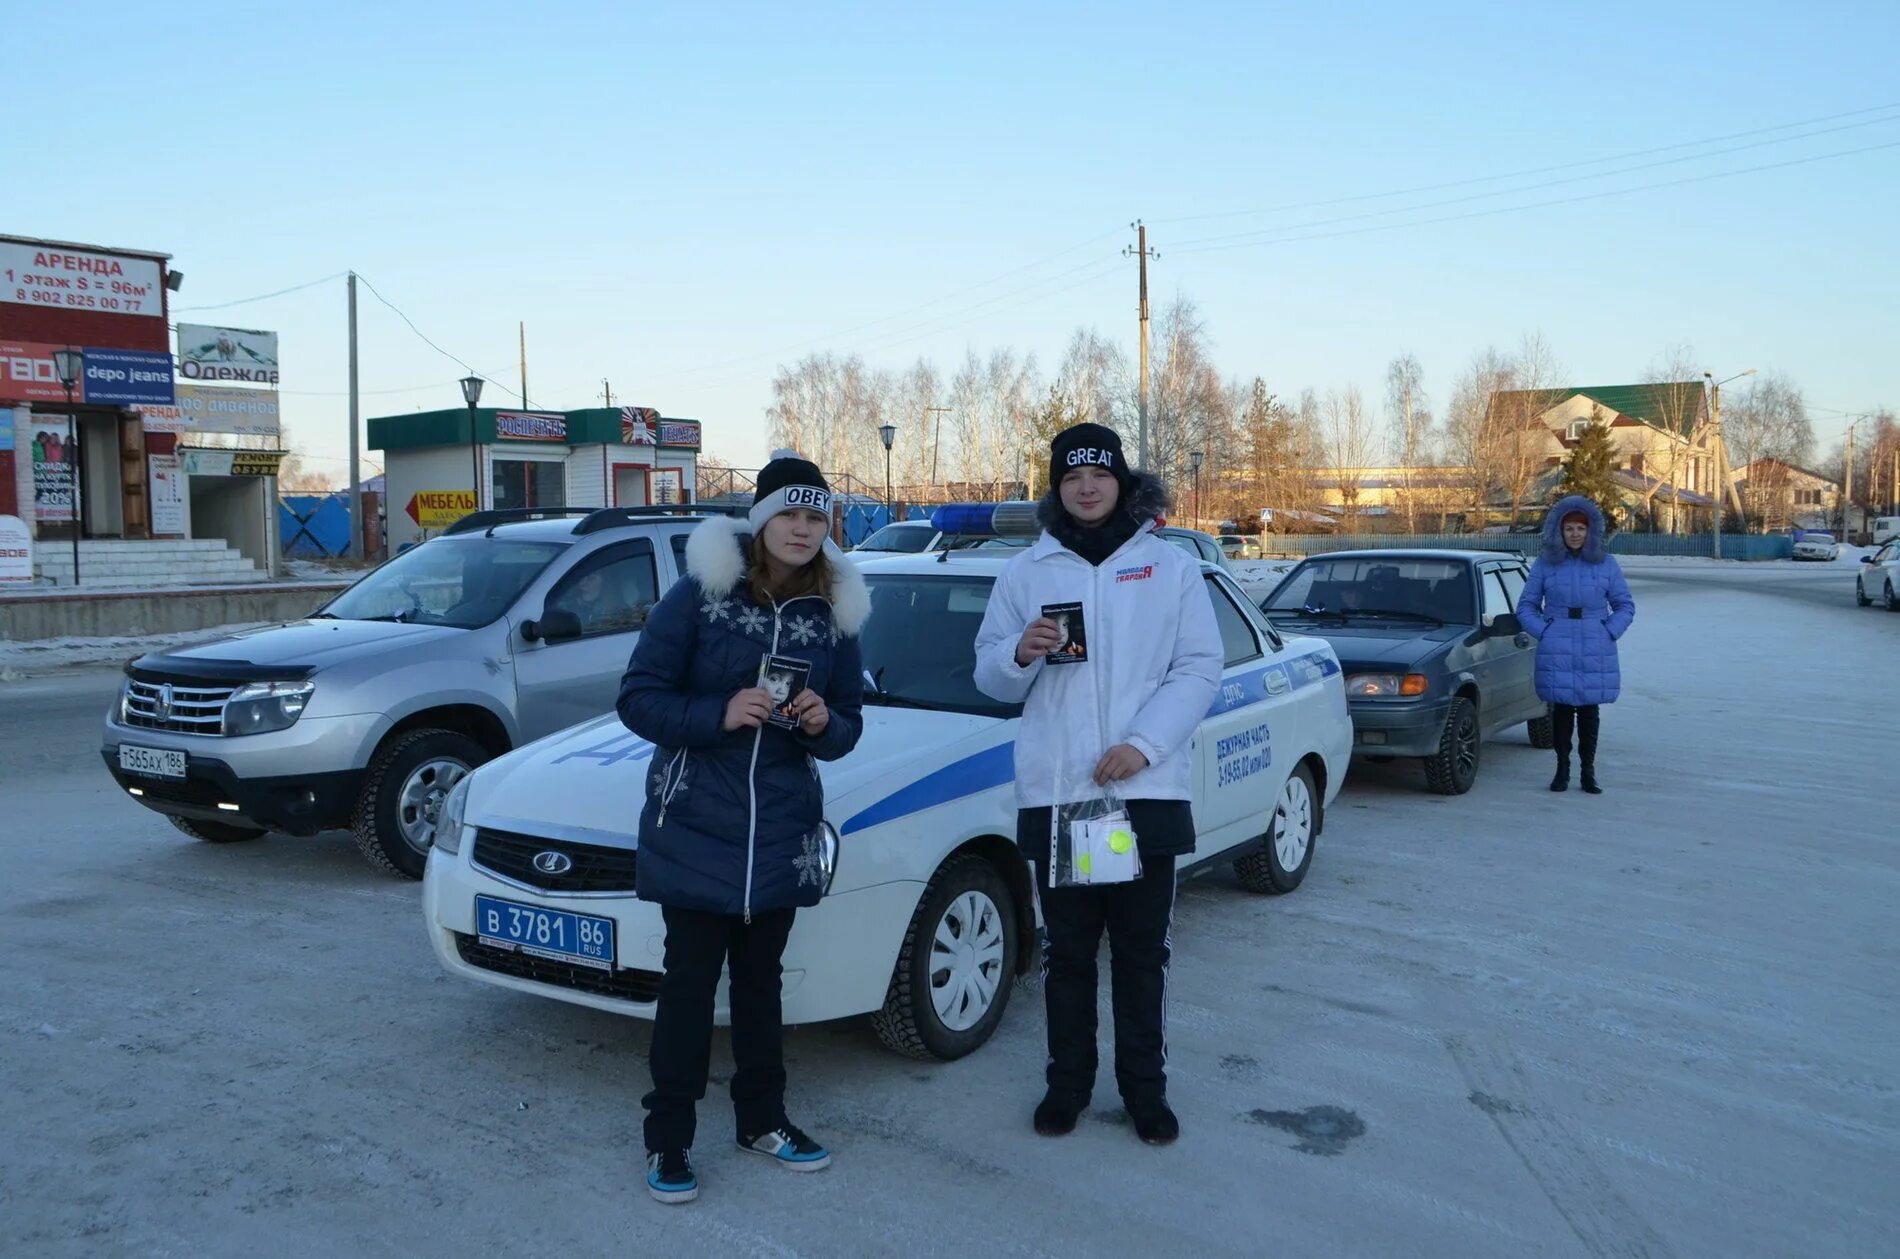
pixel 1280 863
pixel 1543 732
pixel 408 779
pixel 215 832
pixel 1893 604
pixel 951 983
pixel 1455 767
pixel 1860 594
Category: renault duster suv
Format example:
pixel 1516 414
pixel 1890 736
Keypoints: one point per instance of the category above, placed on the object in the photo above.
pixel 509 626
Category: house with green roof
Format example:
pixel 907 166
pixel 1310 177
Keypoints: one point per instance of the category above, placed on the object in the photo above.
pixel 1666 449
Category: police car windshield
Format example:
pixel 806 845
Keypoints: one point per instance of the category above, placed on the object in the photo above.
pixel 903 538
pixel 920 643
pixel 464 582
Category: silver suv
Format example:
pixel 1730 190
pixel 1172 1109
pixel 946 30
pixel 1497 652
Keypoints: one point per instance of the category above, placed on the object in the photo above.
pixel 509 626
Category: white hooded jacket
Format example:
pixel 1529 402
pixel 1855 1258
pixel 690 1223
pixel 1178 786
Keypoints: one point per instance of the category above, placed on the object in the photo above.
pixel 1153 668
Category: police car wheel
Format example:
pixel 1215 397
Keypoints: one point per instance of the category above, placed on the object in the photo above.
pixel 1893 604
pixel 215 832
pixel 952 979
pixel 1860 594
pixel 408 779
pixel 1279 865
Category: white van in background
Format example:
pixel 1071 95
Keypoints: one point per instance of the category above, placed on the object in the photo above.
pixel 1885 528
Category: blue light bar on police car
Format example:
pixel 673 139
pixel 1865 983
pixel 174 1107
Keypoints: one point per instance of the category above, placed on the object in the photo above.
pixel 987 520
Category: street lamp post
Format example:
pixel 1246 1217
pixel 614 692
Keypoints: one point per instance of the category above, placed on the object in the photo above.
pixel 1194 463
pixel 70 363
pixel 472 392
pixel 887 433
pixel 1718 460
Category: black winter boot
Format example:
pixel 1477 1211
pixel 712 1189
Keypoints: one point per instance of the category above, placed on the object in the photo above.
pixel 1588 723
pixel 1058 1111
pixel 1561 782
pixel 1563 721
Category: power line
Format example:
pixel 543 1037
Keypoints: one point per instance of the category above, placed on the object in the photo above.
pixel 1539 205
pixel 425 337
pixel 1554 183
pixel 261 297
pixel 1538 170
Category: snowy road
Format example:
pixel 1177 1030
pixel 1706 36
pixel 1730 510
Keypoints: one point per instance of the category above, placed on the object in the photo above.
pixel 1659 1022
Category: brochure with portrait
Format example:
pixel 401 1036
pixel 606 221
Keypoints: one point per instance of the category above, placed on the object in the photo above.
pixel 1074 645
pixel 783 678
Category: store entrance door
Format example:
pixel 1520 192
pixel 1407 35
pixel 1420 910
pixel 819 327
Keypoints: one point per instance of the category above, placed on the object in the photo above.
pixel 630 487
pixel 133 501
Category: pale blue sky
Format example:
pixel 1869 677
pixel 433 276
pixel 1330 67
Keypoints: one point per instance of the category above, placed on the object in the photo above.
pixel 679 200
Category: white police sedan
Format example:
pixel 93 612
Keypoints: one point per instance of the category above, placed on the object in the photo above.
pixel 928 910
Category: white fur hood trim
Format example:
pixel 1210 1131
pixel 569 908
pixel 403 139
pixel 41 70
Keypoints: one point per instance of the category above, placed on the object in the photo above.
pixel 716 559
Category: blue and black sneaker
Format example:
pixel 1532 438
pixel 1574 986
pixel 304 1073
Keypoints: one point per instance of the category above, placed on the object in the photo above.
pixel 789 1148
pixel 670 1177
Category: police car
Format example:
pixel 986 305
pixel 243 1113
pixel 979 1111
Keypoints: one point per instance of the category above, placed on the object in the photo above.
pixel 928 910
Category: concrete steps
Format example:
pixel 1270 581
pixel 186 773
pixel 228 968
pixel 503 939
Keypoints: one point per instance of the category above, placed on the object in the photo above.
pixel 109 563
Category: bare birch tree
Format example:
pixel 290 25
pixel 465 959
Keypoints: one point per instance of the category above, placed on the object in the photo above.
pixel 1349 444
pixel 1411 429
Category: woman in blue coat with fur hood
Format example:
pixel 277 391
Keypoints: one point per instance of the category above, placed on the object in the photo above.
pixel 1576 605
pixel 732 843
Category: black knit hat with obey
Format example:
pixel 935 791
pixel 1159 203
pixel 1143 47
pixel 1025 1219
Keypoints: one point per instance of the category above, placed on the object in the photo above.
pixel 1086 445
pixel 787 483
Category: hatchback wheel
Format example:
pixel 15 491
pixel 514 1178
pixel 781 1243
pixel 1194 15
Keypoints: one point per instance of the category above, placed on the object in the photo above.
pixel 1893 604
pixel 951 983
pixel 1860 594
pixel 1280 863
pixel 1455 766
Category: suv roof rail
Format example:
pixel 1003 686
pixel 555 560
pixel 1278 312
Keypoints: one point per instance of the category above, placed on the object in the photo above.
pixel 510 515
pixel 614 517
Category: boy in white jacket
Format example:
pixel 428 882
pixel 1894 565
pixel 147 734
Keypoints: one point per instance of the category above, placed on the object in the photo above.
pixel 1119 720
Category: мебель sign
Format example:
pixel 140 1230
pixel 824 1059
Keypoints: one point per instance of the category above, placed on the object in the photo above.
pixel 128 376
pixel 209 353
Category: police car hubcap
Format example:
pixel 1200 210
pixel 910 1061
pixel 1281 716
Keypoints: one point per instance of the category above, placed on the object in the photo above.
pixel 966 961
pixel 1295 818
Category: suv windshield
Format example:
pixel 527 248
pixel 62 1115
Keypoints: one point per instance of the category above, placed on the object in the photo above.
pixel 463 582
pixel 1427 589
pixel 920 643
pixel 907 539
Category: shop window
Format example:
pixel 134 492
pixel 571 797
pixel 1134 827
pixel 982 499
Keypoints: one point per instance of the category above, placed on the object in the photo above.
pixel 529 483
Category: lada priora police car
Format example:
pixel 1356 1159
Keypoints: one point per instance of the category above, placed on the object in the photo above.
pixel 928 911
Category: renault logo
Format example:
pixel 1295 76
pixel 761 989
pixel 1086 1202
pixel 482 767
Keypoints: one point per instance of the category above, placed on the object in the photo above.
pixel 162 706
pixel 553 862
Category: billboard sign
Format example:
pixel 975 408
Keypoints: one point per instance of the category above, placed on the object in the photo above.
pixel 168 495
pixel 527 426
pixel 66 277
pixel 684 433
pixel 639 426
pixel 128 377
pixel 211 410
pixel 52 468
pixel 16 551
pixel 27 374
pixel 232 462
pixel 237 354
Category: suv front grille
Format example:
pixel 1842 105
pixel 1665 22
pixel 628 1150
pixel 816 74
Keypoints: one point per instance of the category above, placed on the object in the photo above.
pixel 625 985
pixel 595 869
pixel 184 707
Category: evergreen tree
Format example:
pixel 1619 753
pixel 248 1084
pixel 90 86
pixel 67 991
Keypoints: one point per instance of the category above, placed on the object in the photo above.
pixel 1590 468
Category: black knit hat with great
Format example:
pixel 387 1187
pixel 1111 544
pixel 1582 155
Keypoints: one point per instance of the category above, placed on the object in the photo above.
pixel 1089 445
pixel 789 482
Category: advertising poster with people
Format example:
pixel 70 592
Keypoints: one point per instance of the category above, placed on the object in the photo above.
pixel 52 469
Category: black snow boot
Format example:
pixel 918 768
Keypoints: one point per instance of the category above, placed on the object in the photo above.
pixel 1561 781
pixel 1563 720
pixel 1588 723
pixel 1057 1112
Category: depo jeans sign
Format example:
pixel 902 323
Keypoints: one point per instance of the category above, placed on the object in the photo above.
pixel 79 279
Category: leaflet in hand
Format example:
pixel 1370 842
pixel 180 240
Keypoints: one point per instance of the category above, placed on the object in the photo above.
pixel 1074 645
pixel 783 678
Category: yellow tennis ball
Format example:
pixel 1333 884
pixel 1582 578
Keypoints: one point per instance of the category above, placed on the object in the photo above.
pixel 1120 841
pixel 1084 863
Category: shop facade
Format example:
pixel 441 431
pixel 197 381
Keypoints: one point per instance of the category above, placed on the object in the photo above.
pixel 596 457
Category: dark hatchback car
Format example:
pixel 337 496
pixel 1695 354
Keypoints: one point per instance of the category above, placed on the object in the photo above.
pixel 1434 658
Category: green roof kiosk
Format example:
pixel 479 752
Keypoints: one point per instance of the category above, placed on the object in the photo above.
pixel 597 457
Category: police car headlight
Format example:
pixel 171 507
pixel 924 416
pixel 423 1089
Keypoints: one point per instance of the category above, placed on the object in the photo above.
pixel 261 707
pixel 828 855
pixel 448 823
pixel 1385 685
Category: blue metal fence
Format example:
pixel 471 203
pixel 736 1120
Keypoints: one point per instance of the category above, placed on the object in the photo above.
pixel 1735 546
pixel 314 526
pixel 861 520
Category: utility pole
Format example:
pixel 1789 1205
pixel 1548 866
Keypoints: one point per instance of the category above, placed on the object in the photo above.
pixel 523 327
pixel 356 439
pixel 1142 252
pixel 607 391
pixel 936 442
pixel 1847 492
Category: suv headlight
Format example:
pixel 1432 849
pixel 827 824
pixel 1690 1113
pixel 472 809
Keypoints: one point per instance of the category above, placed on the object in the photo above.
pixel 1385 685
pixel 827 855
pixel 448 823
pixel 261 707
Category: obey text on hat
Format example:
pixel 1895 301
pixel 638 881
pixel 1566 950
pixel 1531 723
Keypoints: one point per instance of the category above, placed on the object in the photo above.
pixel 806 496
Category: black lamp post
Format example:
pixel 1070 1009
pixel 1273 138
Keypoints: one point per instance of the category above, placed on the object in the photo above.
pixel 70 364
pixel 888 433
pixel 472 391
pixel 1194 463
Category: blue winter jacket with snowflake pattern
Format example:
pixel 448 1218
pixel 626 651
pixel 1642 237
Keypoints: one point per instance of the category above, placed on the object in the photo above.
pixel 732 823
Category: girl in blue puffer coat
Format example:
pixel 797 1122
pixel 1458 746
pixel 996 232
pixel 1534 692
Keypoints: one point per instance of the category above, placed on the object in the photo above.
pixel 1576 605
pixel 732 838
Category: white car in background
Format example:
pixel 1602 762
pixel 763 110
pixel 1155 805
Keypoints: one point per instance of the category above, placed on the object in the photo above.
pixel 928 911
pixel 1817 546
pixel 1879 579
